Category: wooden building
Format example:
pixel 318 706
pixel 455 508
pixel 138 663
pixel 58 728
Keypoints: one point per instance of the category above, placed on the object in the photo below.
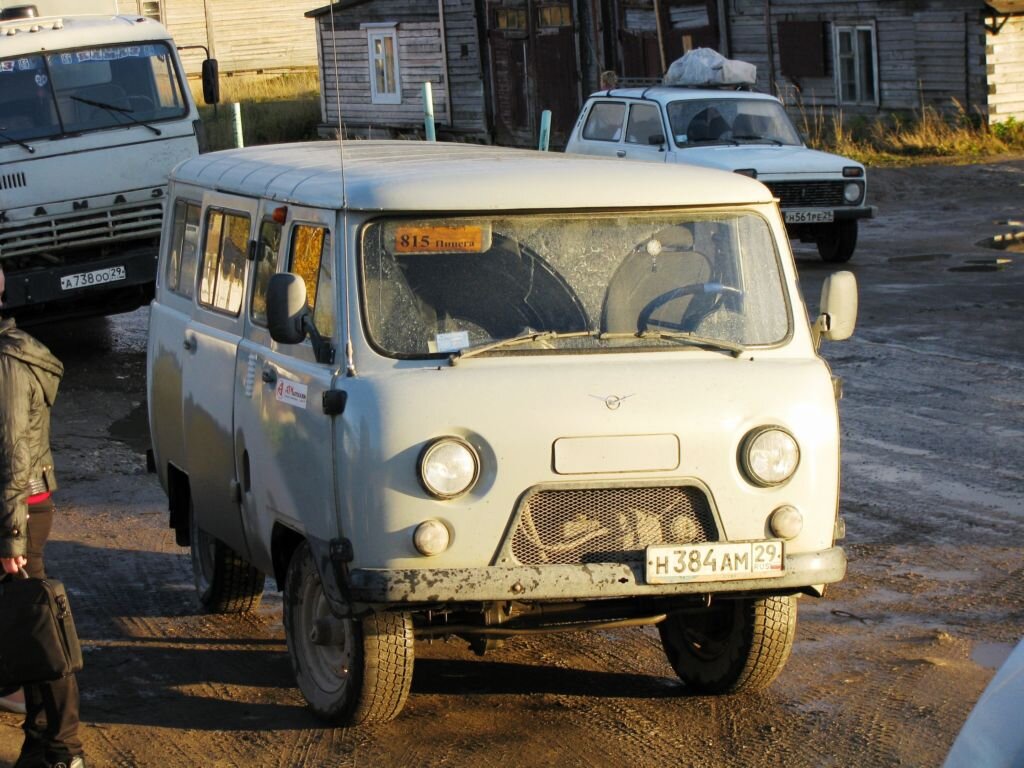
pixel 495 65
pixel 243 36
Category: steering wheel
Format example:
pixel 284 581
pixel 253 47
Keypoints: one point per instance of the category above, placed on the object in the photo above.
pixel 685 323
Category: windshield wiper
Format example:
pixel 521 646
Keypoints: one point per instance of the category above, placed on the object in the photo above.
pixel 523 338
pixel 13 140
pixel 767 139
pixel 681 336
pixel 118 111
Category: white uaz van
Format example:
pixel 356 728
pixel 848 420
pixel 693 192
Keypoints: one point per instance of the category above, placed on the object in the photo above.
pixel 443 389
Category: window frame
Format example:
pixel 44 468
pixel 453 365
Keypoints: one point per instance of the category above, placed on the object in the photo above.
pixel 212 304
pixel 259 261
pixel 857 56
pixel 327 244
pixel 383 31
pixel 176 242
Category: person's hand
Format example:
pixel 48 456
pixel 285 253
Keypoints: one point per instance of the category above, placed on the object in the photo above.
pixel 12 564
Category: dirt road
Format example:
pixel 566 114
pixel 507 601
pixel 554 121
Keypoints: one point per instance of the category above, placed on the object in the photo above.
pixel 885 668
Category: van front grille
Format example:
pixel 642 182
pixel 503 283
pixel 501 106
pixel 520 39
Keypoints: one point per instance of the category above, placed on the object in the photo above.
pixel 609 525
pixel 46 233
pixel 807 194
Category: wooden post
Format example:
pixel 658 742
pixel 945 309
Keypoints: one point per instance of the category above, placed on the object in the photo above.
pixel 661 37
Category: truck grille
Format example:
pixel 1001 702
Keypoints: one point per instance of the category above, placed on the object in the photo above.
pixel 608 525
pixel 84 228
pixel 807 194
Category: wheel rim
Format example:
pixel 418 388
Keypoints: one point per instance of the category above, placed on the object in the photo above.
pixel 329 666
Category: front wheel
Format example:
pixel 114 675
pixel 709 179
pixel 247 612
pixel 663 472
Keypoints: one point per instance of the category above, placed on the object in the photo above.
pixel 837 241
pixel 350 671
pixel 735 646
pixel 225 583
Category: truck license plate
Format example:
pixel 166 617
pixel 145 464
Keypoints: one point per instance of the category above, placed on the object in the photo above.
pixel 808 217
pixel 96 277
pixel 717 561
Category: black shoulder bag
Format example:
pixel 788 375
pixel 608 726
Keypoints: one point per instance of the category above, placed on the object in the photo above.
pixel 38 640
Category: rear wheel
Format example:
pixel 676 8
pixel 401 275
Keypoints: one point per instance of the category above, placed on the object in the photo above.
pixel 735 646
pixel 224 581
pixel 837 241
pixel 350 671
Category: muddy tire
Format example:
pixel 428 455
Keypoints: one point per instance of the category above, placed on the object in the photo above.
pixel 225 583
pixel 837 241
pixel 735 646
pixel 364 675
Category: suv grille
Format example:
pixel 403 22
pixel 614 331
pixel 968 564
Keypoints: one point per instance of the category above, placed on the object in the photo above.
pixel 609 525
pixel 807 194
pixel 86 228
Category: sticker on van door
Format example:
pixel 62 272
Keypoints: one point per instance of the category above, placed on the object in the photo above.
pixel 291 392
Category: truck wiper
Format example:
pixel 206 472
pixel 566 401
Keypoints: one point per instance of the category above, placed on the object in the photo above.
pixel 118 111
pixel 13 140
pixel 480 349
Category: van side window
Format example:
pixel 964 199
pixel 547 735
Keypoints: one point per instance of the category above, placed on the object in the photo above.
pixel 227 241
pixel 181 261
pixel 267 250
pixel 311 260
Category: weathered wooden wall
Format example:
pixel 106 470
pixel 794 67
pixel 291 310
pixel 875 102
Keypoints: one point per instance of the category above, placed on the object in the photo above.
pixel 457 84
pixel 929 53
pixel 244 35
pixel 1005 60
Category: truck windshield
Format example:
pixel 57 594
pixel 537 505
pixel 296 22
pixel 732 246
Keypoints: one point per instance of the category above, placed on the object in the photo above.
pixel 730 121
pixel 69 92
pixel 572 283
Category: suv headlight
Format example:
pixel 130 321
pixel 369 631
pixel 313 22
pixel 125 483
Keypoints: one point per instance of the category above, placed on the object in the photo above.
pixel 769 456
pixel 449 467
pixel 853 191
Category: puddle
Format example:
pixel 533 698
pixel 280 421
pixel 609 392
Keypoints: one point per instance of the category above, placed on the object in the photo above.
pixel 991 655
pixel 920 257
pixel 133 429
pixel 983 265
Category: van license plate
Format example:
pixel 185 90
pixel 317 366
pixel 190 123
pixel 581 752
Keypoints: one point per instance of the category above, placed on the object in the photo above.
pixel 718 561
pixel 808 217
pixel 97 277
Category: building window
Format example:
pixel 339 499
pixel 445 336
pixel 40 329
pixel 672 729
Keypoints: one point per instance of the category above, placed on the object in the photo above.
pixel 151 10
pixel 385 77
pixel 855 65
pixel 510 19
pixel 554 16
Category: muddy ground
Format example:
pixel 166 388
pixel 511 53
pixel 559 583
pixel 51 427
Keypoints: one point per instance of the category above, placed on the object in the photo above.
pixel 885 668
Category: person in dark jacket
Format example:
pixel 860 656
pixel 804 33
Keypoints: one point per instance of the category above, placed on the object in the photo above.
pixel 29 377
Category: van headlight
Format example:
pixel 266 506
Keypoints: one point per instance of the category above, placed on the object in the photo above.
pixel 769 456
pixel 449 467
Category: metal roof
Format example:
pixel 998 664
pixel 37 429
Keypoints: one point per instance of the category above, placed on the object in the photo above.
pixel 428 176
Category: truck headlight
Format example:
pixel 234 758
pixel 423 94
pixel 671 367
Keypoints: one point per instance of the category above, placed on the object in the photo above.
pixel 769 456
pixel 449 467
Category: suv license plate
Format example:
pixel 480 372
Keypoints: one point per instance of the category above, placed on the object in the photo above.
pixel 718 561
pixel 808 217
pixel 87 279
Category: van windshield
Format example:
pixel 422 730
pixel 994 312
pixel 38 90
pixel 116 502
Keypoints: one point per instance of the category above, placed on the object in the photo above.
pixel 69 92
pixel 571 282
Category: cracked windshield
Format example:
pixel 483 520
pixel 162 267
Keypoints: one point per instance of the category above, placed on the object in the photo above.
pixel 572 283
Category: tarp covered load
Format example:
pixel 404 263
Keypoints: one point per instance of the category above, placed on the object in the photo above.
pixel 704 66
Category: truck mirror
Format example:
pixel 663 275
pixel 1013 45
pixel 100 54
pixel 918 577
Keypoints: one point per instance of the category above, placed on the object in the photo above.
pixel 287 308
pixel 838 307
pixel 211 81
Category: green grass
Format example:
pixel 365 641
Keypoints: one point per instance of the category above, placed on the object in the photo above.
pixel 275 108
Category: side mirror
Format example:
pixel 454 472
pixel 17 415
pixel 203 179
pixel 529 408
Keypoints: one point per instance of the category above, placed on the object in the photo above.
pixel 211 81
pixel 287 308
pixel 838 310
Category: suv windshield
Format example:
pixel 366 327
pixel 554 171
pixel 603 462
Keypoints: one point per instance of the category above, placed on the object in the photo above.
pixel 730 121
pixel 48 95
pixel 571 282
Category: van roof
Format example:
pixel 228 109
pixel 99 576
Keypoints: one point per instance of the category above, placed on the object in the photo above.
pixel 54 33
pixel 429 176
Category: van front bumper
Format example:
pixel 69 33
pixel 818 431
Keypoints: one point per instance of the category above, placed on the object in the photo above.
pixel 572 582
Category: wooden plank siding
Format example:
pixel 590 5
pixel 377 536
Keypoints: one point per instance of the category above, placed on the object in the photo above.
pixel 1004 54
pixel 928 53
pixel 243 35
pixel 457 83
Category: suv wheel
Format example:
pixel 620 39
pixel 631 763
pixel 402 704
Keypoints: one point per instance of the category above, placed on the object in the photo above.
pixel 735 646
pixel 837 241
pixel 224 581
pixel 350 671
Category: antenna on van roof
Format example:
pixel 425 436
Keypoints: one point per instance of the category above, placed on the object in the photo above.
pixel 350 365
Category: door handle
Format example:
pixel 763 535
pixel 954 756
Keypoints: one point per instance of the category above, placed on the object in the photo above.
pixel 189 343
pixel 269 376
pixel 620 153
